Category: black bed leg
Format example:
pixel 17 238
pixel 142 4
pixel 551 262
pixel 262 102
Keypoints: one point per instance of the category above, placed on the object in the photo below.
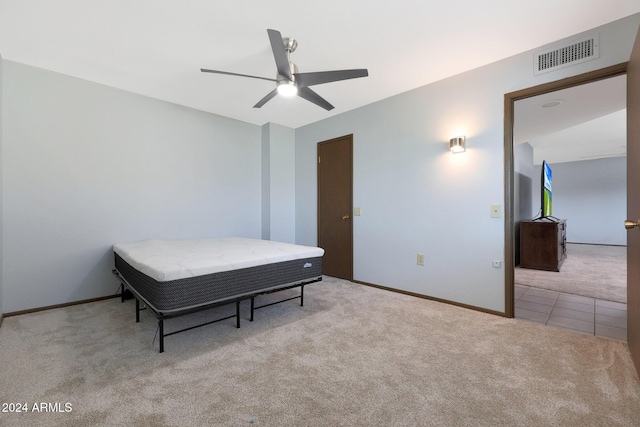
pixel 237 314
pixel 121 292
pixel 252 305
pixel 137 310
pixel 301 295
pixel 161 333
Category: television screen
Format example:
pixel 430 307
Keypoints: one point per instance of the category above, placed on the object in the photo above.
pixel 547 199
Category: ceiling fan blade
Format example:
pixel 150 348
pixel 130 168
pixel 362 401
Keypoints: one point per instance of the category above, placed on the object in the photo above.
pixel 280 54
pixel 266 98
pixel 204 70
pixel 311 96
pixel 310 79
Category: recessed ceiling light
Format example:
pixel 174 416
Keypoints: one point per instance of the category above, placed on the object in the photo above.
pixel 551 104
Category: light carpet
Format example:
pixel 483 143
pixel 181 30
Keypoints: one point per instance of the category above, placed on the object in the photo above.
pixel 595 271
pixel 352 356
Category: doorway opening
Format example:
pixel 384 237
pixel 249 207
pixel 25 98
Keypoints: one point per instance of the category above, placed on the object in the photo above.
pixel 513 207
pixel 578 281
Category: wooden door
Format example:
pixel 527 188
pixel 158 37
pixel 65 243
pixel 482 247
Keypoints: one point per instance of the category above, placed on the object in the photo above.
pixel 335 194
pixel 633 202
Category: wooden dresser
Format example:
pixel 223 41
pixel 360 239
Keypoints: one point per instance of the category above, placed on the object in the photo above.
pixel 543 243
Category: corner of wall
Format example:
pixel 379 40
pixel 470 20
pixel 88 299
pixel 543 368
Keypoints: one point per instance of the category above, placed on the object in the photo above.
pixel 266 182
pixel 278 183
pixel 523 190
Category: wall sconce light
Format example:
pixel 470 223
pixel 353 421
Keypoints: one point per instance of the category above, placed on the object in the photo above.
pixel 457 144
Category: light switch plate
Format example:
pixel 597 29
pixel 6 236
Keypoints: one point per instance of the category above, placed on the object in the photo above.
pixel 357 211
pixel 496 210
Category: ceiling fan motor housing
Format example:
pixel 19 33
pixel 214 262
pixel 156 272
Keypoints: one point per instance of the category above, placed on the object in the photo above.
pixel 294 70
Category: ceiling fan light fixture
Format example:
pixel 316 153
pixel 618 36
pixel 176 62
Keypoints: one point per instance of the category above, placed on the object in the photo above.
pixel 287 88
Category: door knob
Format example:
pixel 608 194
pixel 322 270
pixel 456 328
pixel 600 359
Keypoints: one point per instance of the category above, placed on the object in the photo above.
pixel 345 217
pixel 630 224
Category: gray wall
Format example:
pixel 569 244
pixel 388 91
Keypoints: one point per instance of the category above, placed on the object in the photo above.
pixel 415 195
pixel 86 166
pixel 592 196
pixel 525 203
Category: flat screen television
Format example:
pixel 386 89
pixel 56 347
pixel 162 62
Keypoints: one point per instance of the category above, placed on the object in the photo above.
pixel 546 190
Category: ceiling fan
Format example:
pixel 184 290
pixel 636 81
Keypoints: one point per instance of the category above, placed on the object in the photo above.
pixel 289 81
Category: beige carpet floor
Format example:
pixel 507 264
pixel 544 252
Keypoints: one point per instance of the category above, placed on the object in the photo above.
pixel 595 271
pixel 352 356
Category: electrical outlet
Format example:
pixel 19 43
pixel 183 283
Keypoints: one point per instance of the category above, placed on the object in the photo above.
pixel 421 259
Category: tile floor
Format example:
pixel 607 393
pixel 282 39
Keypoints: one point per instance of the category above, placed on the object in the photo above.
pixel 583 314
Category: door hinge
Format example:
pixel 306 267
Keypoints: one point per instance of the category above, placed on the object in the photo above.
pixel 318 159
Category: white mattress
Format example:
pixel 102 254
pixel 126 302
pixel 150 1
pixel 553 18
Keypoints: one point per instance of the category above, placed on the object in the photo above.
pixel 165 260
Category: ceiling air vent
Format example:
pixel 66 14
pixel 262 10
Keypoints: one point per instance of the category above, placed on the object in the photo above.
pixel 556 57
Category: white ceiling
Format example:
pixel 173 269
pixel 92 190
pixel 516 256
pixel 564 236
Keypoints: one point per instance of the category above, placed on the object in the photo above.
pixel 588 123
pixel 156 47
